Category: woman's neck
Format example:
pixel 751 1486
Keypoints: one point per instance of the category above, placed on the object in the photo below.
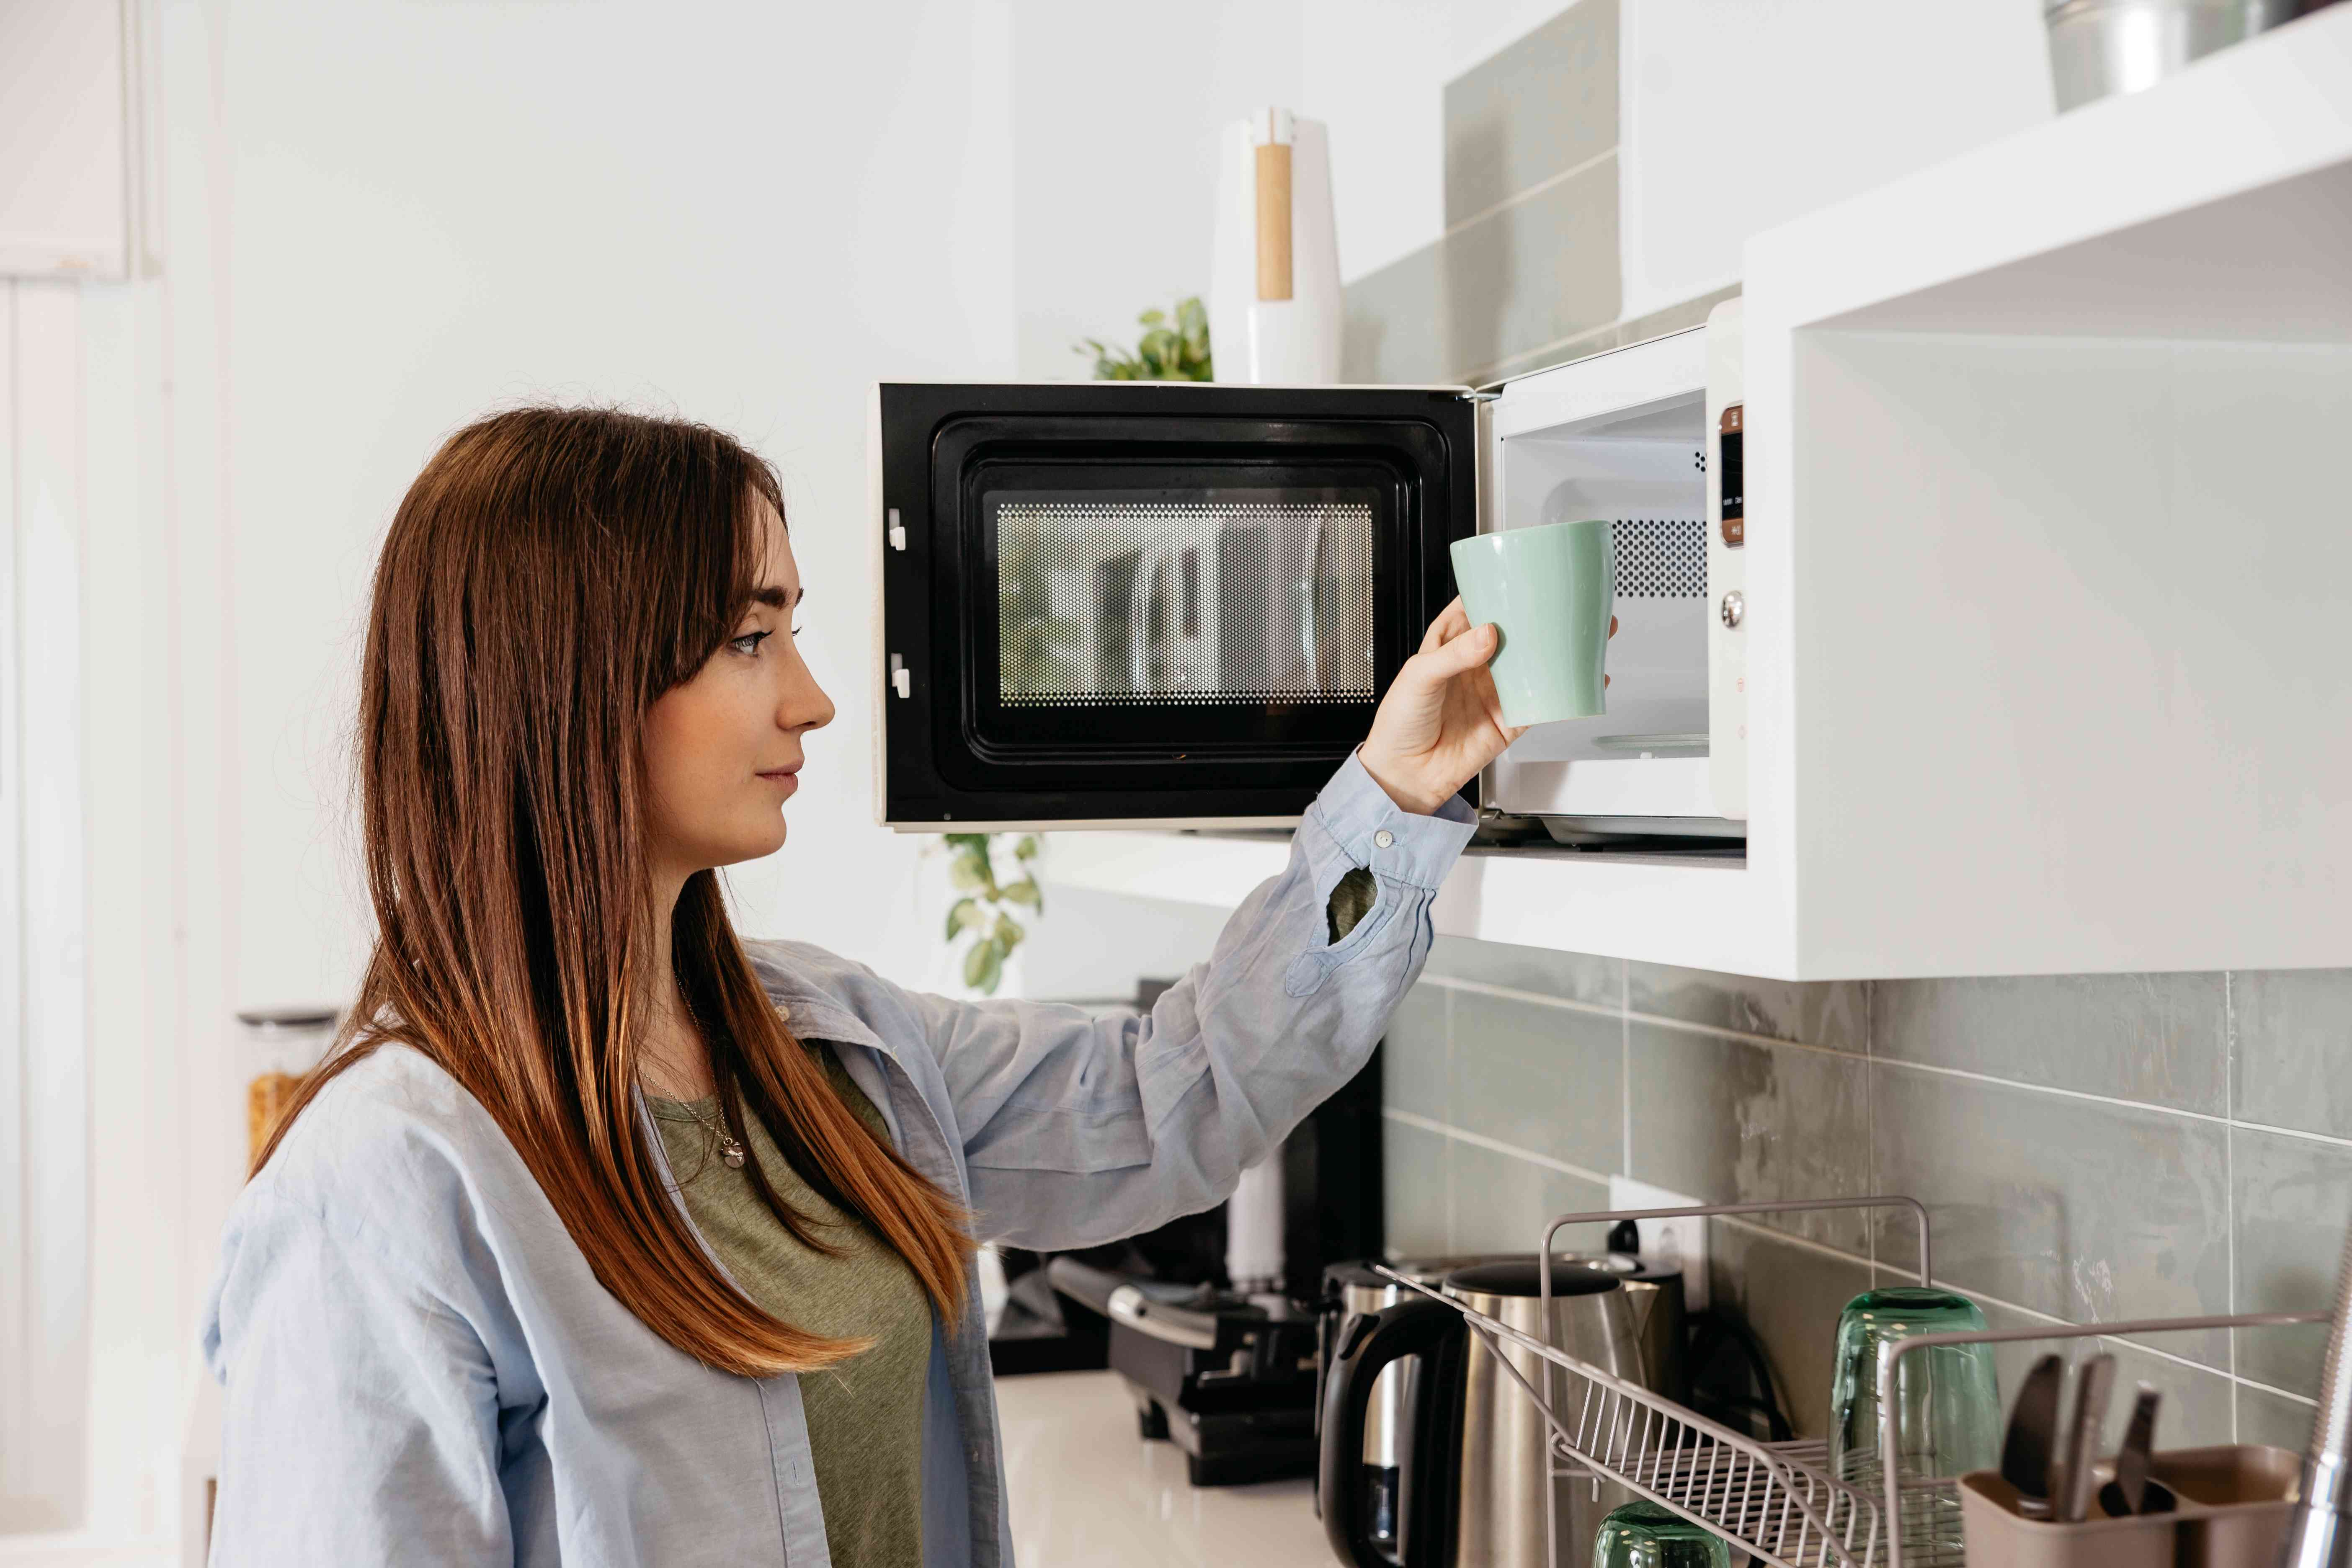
pixel 673 1062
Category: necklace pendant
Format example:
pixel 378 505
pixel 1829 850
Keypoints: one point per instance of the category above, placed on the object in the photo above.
pixel 732 1153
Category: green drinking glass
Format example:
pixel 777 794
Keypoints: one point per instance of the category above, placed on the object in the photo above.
pixel 1946 1412
pixel 1643 1535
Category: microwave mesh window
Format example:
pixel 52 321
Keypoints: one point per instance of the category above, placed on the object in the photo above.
pixel 1217 596
pixel 1659 558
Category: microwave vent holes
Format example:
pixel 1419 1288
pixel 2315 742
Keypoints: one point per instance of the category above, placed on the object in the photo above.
pixel 1659 558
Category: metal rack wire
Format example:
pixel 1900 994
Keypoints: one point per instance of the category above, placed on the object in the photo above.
pixel 1775 1501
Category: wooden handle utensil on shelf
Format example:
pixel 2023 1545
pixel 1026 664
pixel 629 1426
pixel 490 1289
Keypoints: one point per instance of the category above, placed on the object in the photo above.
pixel 1273 218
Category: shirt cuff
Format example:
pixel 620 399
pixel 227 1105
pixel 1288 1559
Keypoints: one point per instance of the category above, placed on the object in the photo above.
pixel 1376 833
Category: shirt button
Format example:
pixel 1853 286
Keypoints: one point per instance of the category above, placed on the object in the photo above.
pixel 784 1011
pixel 1383 838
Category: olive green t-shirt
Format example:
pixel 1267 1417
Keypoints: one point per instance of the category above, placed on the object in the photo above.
pixel 865 1415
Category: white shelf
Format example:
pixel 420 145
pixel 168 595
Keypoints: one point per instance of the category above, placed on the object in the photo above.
pixel 2049 555
pixel 1675 909
pixel 2048 570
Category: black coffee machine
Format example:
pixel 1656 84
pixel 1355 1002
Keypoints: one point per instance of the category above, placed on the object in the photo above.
pixel 1230 1377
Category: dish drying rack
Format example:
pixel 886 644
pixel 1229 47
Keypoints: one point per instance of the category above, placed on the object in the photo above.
pixel 1777 1502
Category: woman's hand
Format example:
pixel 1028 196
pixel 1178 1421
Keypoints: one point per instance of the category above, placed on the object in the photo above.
pixel 1440 721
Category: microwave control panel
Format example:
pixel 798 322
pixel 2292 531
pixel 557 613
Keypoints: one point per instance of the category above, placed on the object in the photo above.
pixel 1727 563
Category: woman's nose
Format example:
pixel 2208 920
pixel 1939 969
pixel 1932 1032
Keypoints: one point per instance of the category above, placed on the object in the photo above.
pixel 805 705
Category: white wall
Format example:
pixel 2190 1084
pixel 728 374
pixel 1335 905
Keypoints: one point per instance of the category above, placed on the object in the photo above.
pixel 734 214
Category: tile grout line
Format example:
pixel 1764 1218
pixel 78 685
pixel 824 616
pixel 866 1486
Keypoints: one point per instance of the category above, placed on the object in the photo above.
pixel 1480 375
pixel 1624 1068
pixel 1492 1145
pixel 1870 1111
pixel 2230 1173
pixel 1517 197
pixel 1540 999
pixel 1626 1010
pixel 2303 1399
pixel 1446 1034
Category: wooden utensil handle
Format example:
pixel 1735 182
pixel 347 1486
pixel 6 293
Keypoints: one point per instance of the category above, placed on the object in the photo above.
pixel 1273 221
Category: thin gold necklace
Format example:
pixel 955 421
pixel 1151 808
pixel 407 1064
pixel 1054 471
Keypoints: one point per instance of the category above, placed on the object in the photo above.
pixel 729 1149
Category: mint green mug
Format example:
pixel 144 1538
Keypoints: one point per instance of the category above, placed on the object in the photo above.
pixel 1548 591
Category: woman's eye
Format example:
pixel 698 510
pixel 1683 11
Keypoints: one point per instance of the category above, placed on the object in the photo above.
pixel 750 642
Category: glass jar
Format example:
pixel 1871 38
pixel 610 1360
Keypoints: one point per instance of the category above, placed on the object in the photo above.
pixel 282 1045
pixel 1947 1412
pixel 1641 1534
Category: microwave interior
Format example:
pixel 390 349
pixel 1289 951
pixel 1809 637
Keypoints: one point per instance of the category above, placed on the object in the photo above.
pixel 1641 767
pixel 1114 608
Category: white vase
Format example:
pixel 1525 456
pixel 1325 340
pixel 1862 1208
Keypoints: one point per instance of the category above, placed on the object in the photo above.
pixel 1275 310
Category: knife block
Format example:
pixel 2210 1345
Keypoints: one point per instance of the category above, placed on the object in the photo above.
pixel 2235 1502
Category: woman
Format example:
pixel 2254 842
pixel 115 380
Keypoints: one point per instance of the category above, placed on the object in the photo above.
pixel 606 1238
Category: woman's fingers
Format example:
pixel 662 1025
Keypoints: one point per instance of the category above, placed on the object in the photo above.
pixel 1472 648
pixel 1450 624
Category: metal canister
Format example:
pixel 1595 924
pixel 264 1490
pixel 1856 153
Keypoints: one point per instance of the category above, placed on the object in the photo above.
pixel 2099 47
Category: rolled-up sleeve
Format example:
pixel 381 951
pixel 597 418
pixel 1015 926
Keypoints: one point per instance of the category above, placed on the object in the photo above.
pixel 1078 1129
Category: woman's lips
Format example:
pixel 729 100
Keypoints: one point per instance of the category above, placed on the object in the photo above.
pixel 787 777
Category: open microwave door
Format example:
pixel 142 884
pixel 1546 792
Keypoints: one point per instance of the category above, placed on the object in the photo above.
pixel 1120 603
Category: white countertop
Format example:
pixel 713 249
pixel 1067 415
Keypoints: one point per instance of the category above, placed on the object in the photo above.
pixel 1083 1489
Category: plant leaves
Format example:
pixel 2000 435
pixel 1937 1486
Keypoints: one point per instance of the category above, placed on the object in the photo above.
pixel 1024 891
pixel 970 874
pixel 983 966
pixel 966 914
pixel 1008 932
pixel 1026 848
pixel 1180 353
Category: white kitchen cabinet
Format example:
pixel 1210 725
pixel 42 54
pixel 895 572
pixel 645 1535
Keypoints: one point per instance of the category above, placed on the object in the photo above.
pixel 2048 569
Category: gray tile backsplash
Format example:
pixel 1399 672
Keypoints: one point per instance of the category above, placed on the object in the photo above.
pixel 1834 1015
pixel 1540 270
pixel 2292 1198
pixel 1544 1079
pixel 2294 1048
pixel 2159 1038
pixel 2079 1209
pixel 1729 1120
pixel 1538 971
pixel 1545 105
pixel 1527 266
pixel 2047 1203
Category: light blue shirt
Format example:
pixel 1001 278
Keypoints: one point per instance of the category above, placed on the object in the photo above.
pixel 420 1367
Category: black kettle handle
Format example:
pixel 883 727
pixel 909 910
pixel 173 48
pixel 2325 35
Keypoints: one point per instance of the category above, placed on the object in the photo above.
pixel 1366 1346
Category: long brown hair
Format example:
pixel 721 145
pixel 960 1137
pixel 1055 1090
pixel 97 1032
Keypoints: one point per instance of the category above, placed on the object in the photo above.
pixel 549 573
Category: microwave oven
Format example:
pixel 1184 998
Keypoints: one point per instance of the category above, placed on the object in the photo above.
pixel 1130 605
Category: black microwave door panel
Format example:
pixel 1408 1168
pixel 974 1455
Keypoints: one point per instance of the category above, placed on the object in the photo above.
pixel 1123 601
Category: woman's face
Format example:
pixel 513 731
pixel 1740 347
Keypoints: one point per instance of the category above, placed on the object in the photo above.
pixel 723 750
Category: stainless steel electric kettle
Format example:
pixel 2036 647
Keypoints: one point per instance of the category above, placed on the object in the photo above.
pixel 1474 1463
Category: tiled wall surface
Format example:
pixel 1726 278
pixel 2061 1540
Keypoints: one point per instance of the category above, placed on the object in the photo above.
pixel 2090 1148
pixel 1526 274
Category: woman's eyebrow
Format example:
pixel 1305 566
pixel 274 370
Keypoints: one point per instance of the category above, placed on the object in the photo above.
pixel 776 598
